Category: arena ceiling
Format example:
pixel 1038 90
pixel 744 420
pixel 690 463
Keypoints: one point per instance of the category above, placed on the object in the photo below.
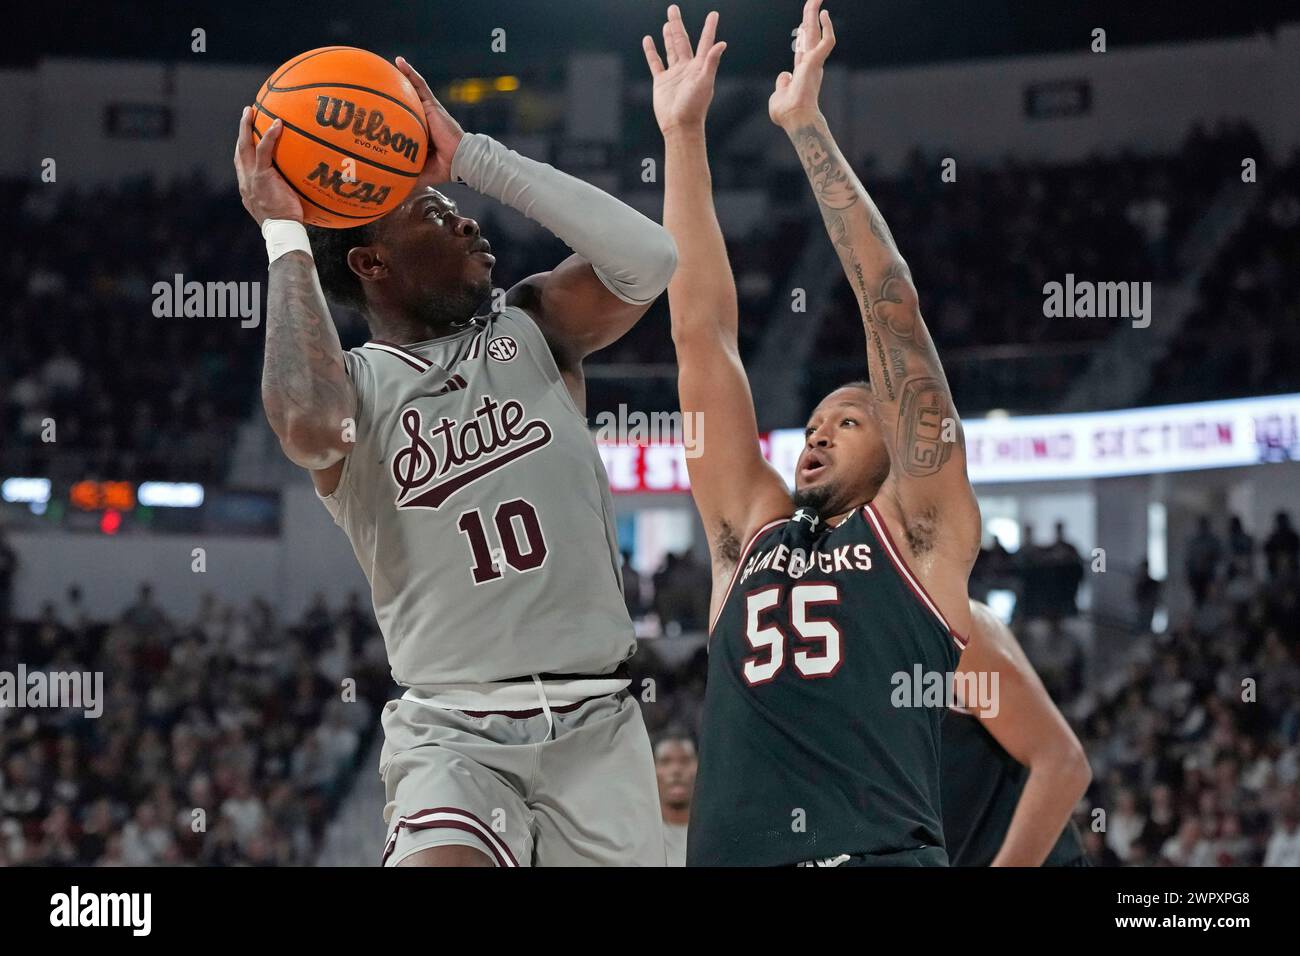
pixel 453 38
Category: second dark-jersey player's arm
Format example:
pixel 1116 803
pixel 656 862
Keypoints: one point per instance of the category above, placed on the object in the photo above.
pixel 734 487
pixel 920 423
pixel 1031 729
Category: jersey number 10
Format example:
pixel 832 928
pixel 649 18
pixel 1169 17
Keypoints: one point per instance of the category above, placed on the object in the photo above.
pixel 513 520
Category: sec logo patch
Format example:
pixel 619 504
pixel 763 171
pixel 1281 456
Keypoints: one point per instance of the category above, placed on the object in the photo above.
pixel 503 348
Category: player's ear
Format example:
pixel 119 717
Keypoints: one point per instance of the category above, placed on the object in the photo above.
pixel 367 262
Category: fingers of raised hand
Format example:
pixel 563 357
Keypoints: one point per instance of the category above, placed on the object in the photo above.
pixel 675 33
pixel 827 42
pixel 652 56
pixel 707 34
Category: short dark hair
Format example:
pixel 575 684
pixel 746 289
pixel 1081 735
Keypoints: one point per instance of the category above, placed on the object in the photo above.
pixel 330 248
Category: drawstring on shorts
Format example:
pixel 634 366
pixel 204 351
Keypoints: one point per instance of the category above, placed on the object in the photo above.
pixel 546 705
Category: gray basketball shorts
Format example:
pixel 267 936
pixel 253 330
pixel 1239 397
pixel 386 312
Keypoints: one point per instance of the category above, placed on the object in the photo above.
pixel 580 791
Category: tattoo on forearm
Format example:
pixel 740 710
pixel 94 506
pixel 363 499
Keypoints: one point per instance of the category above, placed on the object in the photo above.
pixel 869 324
pixel 897 338
pixel 831 182
pixel 880 230
pixel 302 368
pixel 898 361
pixel 838 230
pixel 893 306
pixel 921 413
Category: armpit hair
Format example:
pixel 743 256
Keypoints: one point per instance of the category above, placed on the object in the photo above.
pixel 921 527
pixel 727 544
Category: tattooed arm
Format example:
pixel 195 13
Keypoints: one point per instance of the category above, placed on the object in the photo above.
pixel 928 474
pixel 734 488
pixel 306 392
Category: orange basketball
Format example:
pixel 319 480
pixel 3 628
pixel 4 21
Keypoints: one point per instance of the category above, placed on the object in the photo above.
pixel 354 137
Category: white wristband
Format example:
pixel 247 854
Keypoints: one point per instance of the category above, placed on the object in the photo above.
pixel 284 235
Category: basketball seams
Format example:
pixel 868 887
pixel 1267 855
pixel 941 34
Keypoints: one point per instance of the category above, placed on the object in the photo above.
pixel 305 57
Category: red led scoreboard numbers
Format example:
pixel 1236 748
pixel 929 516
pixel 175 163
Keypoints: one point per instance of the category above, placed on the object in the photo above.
pixel 102 496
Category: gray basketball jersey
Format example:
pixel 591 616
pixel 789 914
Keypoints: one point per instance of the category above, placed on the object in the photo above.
pixel 477 504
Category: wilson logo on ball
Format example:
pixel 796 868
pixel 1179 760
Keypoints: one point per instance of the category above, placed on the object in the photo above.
pixel 336 113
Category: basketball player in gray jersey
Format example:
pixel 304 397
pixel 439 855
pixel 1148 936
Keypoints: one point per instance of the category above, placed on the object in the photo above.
pixel 453 450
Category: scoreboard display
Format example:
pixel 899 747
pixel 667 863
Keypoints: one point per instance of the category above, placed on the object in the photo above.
pixel 121 507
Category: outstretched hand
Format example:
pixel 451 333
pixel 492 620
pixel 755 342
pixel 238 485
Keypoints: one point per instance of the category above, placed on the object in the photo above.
pixel 444 132
pixel 683 89
pixel 794 101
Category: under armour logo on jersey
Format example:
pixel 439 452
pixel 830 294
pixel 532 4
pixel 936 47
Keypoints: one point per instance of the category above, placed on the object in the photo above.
pixel 808 516
pixel 453 384
pixel 503 348
pixel 829 861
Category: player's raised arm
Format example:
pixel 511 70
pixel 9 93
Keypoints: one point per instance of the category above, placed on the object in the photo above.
pixel 623 261
pixel 306 392
pixel 735 489
pixel 927 450
pixel 1031 729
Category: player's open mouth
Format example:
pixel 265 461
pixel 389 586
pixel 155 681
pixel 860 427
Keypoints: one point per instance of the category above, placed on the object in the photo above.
pixel 812 467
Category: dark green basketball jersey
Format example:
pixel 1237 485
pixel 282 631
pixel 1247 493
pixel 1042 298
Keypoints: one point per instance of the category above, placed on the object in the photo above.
pixel 981 786
pixel 820 736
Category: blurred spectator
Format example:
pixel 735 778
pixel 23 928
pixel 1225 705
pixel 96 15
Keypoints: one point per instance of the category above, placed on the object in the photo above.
pixel 1282 549
pixel 246 730
pixel 681 595
pixel 1284 844
pixel 1204 551
pixel 1146 597
pixel 632 588
pixel 8 568
pixel 144 615
pixel 1241 550
pixel 675 767
pixel 1065 574
pixel 1125 825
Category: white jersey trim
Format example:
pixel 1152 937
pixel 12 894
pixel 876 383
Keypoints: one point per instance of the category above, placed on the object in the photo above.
pixel 736 571
pixel 515 695
pixel 417 362
pixel 912 582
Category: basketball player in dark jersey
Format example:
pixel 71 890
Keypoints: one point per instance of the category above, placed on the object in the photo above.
pixel 834 613
pixel 1013 771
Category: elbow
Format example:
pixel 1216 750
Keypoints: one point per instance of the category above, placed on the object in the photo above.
pixel 310 441
pixel 1073 770
pixel 661 261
